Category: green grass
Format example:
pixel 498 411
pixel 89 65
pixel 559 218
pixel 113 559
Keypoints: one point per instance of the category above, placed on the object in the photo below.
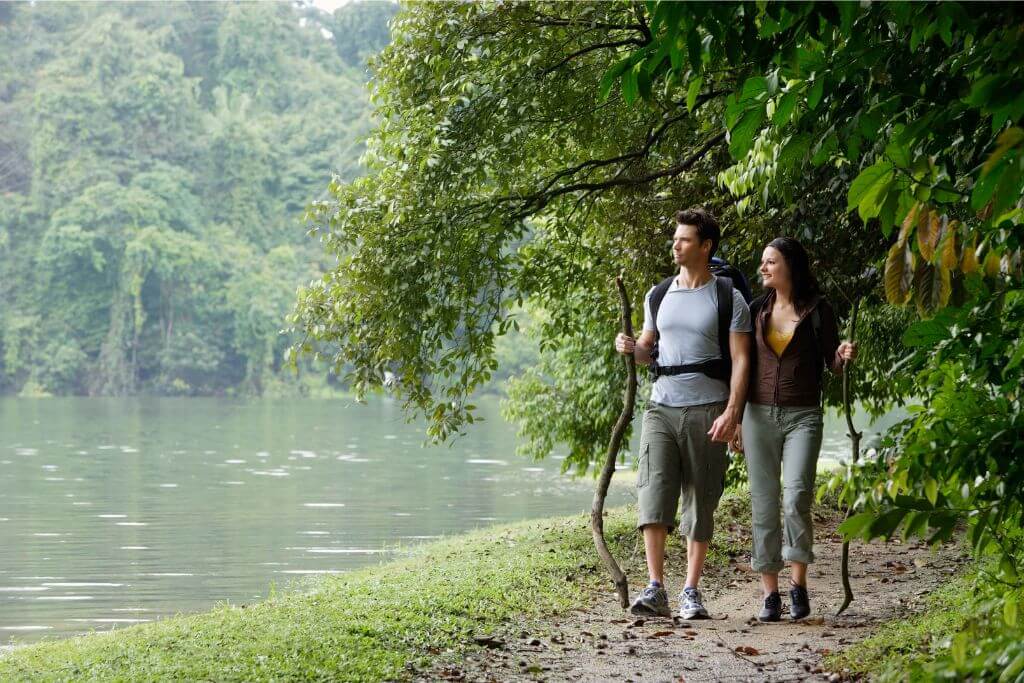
pixel 899 644
pixel 374 624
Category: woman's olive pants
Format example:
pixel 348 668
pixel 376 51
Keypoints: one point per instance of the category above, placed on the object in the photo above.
pixel 781 446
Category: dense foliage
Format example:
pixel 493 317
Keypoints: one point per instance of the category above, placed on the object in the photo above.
pixel 499 182
pixel 530 152
pixel 154 162
pixel 916 110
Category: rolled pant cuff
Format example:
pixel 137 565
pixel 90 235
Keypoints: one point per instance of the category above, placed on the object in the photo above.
pixel 796 555
pixel 767 567
pixel 669 522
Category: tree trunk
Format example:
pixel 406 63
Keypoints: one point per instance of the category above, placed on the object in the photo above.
pixel 597 509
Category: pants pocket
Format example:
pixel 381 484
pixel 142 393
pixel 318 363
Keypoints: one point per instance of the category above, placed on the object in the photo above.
pixel 643 467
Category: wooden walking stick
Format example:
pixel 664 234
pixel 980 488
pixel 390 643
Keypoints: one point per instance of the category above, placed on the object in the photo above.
pixel 597 508
pixel 854 454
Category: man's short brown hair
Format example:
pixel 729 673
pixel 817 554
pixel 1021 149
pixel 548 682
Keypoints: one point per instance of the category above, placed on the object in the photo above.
pixel 707 226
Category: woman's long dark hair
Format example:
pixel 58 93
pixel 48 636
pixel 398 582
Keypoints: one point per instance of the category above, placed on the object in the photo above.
pixel 805 285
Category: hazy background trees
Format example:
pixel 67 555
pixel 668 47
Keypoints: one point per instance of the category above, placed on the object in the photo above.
pixel 155 159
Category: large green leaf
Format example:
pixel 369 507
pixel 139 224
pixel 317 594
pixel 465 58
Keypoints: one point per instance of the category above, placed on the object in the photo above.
pixel 866 184
pixel 926 333
pixel 741 136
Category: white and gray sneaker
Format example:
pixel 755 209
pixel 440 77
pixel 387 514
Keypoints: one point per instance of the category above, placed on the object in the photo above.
pixel 691 605
pixel 652 602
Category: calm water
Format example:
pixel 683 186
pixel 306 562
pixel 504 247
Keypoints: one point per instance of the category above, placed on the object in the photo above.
pixel 120 511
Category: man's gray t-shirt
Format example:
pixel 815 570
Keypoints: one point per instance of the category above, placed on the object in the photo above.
pixel 688 321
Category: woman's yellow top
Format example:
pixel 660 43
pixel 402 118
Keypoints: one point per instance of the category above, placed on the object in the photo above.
pixel 778 340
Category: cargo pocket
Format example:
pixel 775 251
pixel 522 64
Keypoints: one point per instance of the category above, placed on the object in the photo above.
pixel 643 466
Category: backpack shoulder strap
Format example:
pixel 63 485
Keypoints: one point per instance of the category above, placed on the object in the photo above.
pixel 725 304
pixel 660 290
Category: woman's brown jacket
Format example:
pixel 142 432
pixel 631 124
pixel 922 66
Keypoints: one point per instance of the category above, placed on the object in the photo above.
pixel 794 379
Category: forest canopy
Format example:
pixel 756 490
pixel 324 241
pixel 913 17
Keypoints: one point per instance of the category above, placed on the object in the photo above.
pixel 155 159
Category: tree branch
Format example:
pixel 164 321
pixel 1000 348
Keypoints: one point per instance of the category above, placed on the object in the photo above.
pixel 592 48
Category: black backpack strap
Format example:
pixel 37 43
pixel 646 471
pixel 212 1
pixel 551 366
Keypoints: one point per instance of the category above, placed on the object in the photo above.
pixel 657 296
pixel 725 305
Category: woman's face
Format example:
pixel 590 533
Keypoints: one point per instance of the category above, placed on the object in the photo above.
pixel 774 270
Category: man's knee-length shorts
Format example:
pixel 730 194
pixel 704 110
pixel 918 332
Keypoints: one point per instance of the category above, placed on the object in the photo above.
pixel 679 460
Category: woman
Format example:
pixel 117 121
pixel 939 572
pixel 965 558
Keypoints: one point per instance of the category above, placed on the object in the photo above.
pixel 795 336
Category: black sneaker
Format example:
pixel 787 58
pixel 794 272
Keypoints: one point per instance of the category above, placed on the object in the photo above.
pixel 799 603
pixel 772 610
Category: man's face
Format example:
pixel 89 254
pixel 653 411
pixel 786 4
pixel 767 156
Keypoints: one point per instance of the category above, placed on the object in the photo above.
pixel 687 249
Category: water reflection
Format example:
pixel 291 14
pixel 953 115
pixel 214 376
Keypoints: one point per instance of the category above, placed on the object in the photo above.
pixel 115 512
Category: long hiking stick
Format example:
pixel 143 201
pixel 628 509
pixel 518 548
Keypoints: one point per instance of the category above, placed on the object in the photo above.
pixel 854 454
pixel 601 492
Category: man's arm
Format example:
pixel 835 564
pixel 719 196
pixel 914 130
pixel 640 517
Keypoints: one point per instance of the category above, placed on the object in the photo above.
pixel 640 348
pixel 725 425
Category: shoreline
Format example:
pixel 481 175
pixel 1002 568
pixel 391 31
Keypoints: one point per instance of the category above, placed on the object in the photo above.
pixel 421 617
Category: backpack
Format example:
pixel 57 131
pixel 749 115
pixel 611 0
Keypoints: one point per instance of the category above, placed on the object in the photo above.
pixel 717 368
pixel 755 308
pixel 723 268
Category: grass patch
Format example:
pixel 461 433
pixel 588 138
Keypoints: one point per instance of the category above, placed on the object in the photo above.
pixel 379 623
pixel 899 645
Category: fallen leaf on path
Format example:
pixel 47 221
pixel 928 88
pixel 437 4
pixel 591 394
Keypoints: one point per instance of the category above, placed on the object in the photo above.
pixel 747 650
pixel 660 634
pixel 814 621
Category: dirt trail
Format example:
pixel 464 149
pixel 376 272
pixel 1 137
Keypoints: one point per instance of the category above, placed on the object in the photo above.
pixel 603 643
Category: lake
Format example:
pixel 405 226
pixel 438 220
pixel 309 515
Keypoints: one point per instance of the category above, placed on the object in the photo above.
pixel 121 511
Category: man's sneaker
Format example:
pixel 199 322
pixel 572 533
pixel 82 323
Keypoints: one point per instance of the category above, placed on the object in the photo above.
pixel 772 610
pixel 652 602
pixel 690 605
pixel 799 603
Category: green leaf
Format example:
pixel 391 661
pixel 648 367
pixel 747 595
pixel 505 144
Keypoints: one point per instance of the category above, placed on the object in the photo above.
pixel 931 490
pixel 753 89
pixel 856 525
pixel 898 154
pixel 693 91
pixel 1012 669
pixel 926 333
pixel 984 90
pixel 886 523
pixel 1015 359
pixel 630 90
pixel 866 181
pixel 1010 610
pixel 815 93
pixel 874 200
pixel 917 524
pixel 613 74
pixel 784 109
pixel 741 136
pixel 1010 138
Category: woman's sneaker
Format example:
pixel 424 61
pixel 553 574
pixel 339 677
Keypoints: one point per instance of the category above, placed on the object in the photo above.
pixel 652 602
pixel 772 610
pixel 799 602
pixel 691 605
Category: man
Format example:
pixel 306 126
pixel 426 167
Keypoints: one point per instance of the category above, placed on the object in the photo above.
pixel 696 402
